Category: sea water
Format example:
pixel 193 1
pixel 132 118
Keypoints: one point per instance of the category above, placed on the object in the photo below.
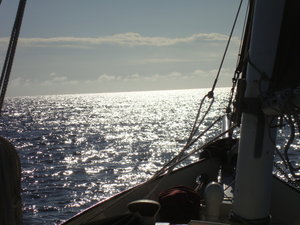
pixel 76 150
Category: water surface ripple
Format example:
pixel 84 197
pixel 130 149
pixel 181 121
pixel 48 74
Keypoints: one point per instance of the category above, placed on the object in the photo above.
pixel 76 150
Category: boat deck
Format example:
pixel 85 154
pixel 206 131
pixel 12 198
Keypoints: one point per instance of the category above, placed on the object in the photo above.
pixel 193 222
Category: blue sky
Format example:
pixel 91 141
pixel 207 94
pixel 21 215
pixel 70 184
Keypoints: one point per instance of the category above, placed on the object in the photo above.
pixel 91 46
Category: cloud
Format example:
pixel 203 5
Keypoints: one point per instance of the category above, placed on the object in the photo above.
pixel 201 73
pixel 129 39
pixel 17 82
pixel 175 75
pixel 59 79
pixel 134 76
pixel 53 74
pixel 106 77
pixel 58 84
pixel 55 80
pixel 167 60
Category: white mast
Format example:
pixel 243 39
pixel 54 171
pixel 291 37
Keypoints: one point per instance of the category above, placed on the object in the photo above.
pixel 255 161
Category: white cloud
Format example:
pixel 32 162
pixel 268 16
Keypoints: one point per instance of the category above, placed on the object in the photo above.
pixel 167 60
pixel 124 39
pixel 57 84
pixel 60 79
pixel 55 80
pixel 53 74
pixel 46 83
pixel 134 76
pixel 175 75
pixel 19 81
pixel 225 72
pixel 201 73
pixel 106 77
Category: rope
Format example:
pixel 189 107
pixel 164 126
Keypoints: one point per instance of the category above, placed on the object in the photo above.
pixel 181 159
pixel 155 176
pixel 195 126
pixel 11 52
pixel 211 93
pixel 168 168
pixel 290 119
pixel 241 65
pixel 10 167
pixel 208 143
pixel 264 76
pixel 173 162
pixel 232 91
pixel 285 174
pixel 288 145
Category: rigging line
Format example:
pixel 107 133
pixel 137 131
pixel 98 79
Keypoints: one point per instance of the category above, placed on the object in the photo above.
pixel 226 49
pixel 183 158
pixel 190 142
pixel 241 50
pixel 246 38
pixel 169 167
pixel 196 120
pixel 97 213
pixel 156 176
pixel 274 144
pixel 240 55
pixel 294 123
pixel 210 94
pixel 287 147
pixel 204 132
pixel 241 62
pixel 289 180
pixel 285 157
pixel 263 76
pixel 196 127
pixel 171 163
pixel 280 170
pixel 207 143
pixel 203 117
pixel 11 51
pixel 232 91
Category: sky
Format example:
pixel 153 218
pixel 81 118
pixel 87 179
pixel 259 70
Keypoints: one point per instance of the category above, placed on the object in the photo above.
pixel 94 46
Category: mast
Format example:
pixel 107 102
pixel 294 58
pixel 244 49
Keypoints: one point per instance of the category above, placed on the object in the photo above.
pixel 256 148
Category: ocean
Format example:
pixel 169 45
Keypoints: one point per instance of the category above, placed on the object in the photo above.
pixel 76 150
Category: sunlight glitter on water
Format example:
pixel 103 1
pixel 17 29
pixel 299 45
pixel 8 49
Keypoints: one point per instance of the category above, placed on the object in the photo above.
pixel 79 149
